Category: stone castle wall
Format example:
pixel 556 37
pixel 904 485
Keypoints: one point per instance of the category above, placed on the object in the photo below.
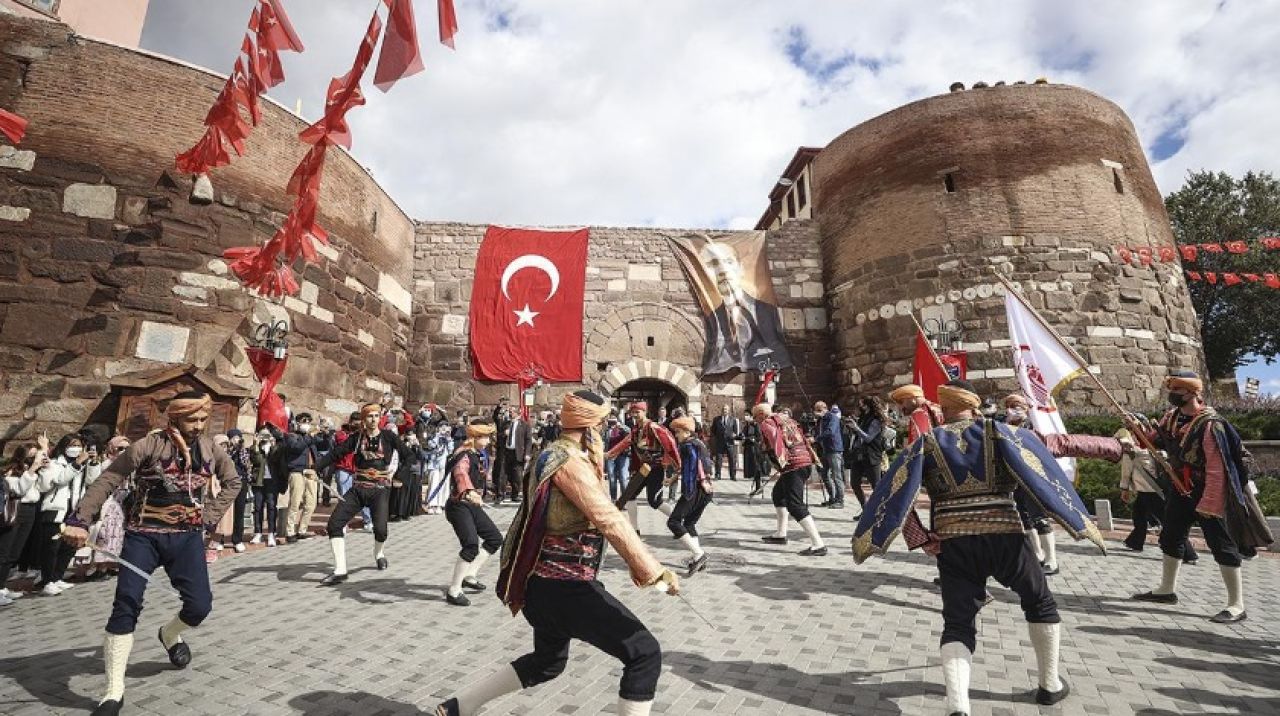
pixel 1046 180
pixel 107 268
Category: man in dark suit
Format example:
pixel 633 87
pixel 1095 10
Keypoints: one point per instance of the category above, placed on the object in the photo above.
pixel 725 431
pixel 514 446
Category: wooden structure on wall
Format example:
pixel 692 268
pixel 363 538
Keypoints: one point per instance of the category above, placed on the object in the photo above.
pixel 144 395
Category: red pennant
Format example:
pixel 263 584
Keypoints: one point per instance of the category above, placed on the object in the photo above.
pixel 344 94
pixel 1193 275
pixel 1212 248
pixel 1125 255
pixel 225 115
pixel 12 126
pixel 1271 243
pixel 268 50
pixel 1189 252
pixel 1168 254
pixel 1144 255
pixel 401 56
pixel 1230 279
pixel 1237 247
pixel 1273 281
pixel 1211 277
pixel 1252 277
pixel 276 30
pixel 448 22
pixel 208 153
pixel 246 92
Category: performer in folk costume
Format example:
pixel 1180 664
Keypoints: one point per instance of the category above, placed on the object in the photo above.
pixel 653 450
pixel 922 415
pixel 1038 527
pixel 550 562
pixel 468 470
pixel 695 491
pixel 166 523
pixel 787 447
pixel 377 458
pixel 1213 490
pixel 971 467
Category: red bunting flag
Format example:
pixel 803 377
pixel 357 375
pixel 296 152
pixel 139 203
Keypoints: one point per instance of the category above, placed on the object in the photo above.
pixel 1271 243
pixel 1211 277
pixel 1144 255
pixel 1189 253
pixel 1230 279
pixel 246 91
pixel 448 22
pixel 1211 248
pixel 1125 255
pixel 1193 275
pixel 1252 277
pixel 208 153
pixel 277 32
pixel 12 126
pixel 1272 280
pixel 401 56
pixel 225 115
pixel 1237 247
pixel 1168 254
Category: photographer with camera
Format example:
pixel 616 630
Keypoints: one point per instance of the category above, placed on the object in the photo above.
pixel 22 501
pixel 830 444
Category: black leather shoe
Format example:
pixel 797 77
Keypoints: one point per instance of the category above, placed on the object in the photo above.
pixel 110 707
pixel 1049 698
pixel 333 580
pixel 957 713
pixel 697 565
pixel 1226 617
pixel 448 708
pixel 1049 571
pixel 382 563
pixel 811 552
pixel 179 654
pixel 1192 561
pixel 473 585
pixel 773 539
pixel 1157 598
pixel 836 505
pixel 458 601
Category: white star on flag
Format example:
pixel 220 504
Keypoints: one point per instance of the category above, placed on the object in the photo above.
pixel 525 316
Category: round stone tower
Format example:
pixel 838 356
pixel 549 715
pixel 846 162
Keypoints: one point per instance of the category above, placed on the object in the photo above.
pixel 920 207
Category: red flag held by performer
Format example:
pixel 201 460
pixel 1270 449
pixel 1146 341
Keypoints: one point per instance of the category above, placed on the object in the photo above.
pixel 928 374
pixel 269 370
pixel 400 55
pixel 526 304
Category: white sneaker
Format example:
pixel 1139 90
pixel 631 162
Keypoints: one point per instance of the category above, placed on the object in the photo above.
pixel 239 547
pixel 11 595
pixel 50 590
pixel 257 539
pixel 30 574
pixel 5 601
pixel 64 586
pixel 271 540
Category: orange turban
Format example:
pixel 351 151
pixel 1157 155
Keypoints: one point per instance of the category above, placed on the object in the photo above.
pixel 684 423
pixel 950 396
pixel 581 410
pixel 762 409
pixel 909 390
pixel 638 405
pixel 1186 380
pixel 480 430
pixel 185 404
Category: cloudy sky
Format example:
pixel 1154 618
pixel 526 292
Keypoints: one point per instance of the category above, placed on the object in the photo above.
pixel 659 112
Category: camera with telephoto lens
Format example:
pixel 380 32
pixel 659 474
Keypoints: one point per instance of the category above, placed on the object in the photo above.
pixel 808 421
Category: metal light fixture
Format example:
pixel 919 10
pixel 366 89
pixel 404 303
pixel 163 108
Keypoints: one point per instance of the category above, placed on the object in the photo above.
pixel 943 334
pixel 273 337
pixel 785 181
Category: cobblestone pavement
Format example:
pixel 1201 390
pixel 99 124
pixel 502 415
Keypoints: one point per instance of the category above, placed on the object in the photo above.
pixel 792 635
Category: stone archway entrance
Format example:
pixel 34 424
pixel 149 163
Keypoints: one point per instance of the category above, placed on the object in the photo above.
pixel 654 375
pixel 656 393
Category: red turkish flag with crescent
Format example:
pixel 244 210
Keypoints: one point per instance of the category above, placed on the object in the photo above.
pixel 526 305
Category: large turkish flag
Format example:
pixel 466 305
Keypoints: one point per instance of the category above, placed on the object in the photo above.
pixel 526 305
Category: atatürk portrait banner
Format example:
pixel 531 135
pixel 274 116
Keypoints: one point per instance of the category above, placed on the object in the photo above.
pixel 730 276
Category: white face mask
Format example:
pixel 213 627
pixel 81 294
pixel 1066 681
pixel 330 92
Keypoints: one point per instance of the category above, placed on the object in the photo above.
pixel 73 452
pixel 1015 415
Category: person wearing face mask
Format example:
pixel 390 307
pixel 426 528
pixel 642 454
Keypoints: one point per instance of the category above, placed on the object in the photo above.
pixel 1211 488
pixel 1038 527
pixel 21 479
pixel 264 459
pixel 62 482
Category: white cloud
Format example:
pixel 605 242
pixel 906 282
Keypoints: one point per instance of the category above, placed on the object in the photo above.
pixel 682 114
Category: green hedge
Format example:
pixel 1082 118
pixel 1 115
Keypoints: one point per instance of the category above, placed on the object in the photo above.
pixel 1253 424
pixel 1100 480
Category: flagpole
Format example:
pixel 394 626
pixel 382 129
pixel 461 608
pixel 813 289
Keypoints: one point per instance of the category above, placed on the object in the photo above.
pixel 925 336
pixel 1140 435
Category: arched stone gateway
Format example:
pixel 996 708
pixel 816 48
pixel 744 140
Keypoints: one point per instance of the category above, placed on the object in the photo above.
pixel 681 377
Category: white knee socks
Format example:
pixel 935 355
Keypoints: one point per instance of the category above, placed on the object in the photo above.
pixel 377 549
pixel 339 547
pixel 461 569
pixel 957 661
pixel 496 685
pixel 782 522
pixel 666 508
pixel 115 654
pixel 1044 637
pixel 633 708
pixel 1169 578
pixel 477 563
pixel 1034 538
pixel 691 543
pixel 1234 581
pixel 811 529
pixel 633 515
pixel 171 633
pixel 1050 546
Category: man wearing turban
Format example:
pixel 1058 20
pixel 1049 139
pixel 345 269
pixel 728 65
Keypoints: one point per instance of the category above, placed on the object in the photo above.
pixel 695 491
pixel 168 514
pixel 922 415
pixel 468 469
pixel 971 467
pixel 550 563
pixel 376 452
pixel 1213 491
pixel 653 451
pixel 786 445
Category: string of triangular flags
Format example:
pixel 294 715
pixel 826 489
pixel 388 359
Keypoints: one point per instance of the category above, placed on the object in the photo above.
pixel 266 268
pixel 257 69
pixel 1146 255
pixel 1231 279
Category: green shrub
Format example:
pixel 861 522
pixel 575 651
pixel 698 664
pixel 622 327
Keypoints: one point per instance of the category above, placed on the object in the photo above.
pixel 1100 480
pixel 1254 422
pixel 1269 495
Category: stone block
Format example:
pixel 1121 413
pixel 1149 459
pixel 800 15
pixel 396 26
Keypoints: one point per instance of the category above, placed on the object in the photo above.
pixel 644 272
pixel 93 201
pixel 206 281
pixel 812 289
pixel 37 326
pixel 67 410
pixel 162 342
pixel 14 158
pixel 815 319
pixel 135 211
pixel 322 314
pixel 294 304
pixel 309 292
pixel 453 325
pixel 391 290
pixel 616 285
pixel 14 213
pixel 217 267
pixel 192 293
pixel 1105 331
pixel 353 284
pixel 365 337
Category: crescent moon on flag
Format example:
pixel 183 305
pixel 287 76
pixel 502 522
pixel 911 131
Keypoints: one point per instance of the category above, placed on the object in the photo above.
pixel 534 261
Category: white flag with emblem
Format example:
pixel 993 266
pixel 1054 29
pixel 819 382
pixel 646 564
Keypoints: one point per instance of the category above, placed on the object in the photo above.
pixel 1043 366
